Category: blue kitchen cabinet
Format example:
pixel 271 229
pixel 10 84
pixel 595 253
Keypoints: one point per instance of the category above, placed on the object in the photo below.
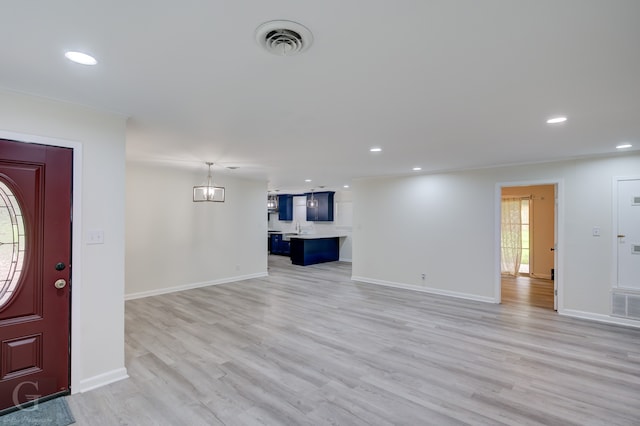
pixel 324 211
pixel 285 248
pixel 276 239
pixel 285 207
pixel 279 246
pixel 315 250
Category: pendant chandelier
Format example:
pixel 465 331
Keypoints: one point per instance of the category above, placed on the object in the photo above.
pixel 312 202
pixel 272 202
pixel 208 192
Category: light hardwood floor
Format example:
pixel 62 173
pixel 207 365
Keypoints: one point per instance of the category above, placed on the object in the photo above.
pixel 525 291
pixel 307 346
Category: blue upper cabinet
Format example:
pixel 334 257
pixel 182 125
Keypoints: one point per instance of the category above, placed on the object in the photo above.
pixel 324 211
pixel 285 207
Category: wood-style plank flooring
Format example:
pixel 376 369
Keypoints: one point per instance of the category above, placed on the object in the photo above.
pixel 526 291
pixel 307 346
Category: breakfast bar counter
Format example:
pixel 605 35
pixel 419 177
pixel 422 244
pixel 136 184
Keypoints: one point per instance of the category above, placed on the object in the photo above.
pixel 309 249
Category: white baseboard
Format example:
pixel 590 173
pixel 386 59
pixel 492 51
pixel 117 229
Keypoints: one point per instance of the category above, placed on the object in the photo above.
pixel 102 379
pixel 599 317
pixel 541 276
pixel 345 260
pixel 166 290
pixel 425 289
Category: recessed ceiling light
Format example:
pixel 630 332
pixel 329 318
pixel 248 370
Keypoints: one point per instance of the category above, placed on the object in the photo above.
pixel 81 58
pixel 624 145
pixel 345 186
pixel 375 149
pixel 556 120
pixel 417 169
pixel 307 180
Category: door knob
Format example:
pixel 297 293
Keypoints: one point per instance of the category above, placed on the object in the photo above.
pixel 60 283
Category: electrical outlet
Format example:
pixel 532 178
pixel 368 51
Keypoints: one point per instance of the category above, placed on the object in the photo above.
pixel 424 276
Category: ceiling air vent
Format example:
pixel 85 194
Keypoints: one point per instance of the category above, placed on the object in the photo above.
pixel 284 38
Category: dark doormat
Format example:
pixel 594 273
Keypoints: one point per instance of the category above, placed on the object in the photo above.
pixel 54 412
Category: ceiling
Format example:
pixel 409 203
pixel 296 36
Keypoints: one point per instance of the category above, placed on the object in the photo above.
pixel 439 84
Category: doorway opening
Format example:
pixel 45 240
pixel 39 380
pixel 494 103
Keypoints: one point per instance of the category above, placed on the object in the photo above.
pixel 528 223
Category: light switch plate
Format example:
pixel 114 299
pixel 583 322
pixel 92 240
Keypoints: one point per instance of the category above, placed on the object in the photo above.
pixel 596 231
pixel 95 236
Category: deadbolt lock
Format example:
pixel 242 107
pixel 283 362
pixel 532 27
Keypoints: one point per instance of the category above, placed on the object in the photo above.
pixel 60 284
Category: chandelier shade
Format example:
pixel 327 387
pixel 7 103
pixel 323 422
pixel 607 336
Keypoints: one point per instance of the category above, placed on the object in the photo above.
pixel 272 203
pixel 209 192
pixel 312 202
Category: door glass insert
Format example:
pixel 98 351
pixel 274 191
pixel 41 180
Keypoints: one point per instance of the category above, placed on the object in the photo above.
pixel 12 243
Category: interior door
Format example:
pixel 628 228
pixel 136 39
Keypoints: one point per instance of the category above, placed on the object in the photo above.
pixel 35 254
pixel 629 233
pixel 555 247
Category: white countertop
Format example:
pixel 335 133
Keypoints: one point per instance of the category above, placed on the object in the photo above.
pixel 315 236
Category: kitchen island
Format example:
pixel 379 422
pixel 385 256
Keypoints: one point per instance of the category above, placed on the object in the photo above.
pixel 309 249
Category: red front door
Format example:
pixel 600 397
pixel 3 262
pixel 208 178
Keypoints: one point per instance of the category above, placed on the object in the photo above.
pixel 35 262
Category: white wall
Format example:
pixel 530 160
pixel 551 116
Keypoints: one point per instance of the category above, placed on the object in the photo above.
pixel 443 225
pixel 97 335
pixel 173 243
pixel 342 224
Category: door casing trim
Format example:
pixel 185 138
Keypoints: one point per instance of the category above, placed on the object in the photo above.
pixel 559 225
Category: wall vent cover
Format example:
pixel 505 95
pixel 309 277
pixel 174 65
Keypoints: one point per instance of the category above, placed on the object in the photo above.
pixel 625 304
pixel 283 38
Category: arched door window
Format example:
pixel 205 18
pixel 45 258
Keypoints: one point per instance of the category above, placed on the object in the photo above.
pixel 12 243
